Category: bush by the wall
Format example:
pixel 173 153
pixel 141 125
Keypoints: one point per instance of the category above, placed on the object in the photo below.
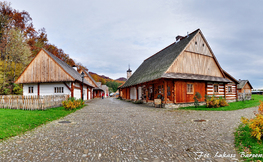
pixel 215 102
pixel 197 97
pixel 72 103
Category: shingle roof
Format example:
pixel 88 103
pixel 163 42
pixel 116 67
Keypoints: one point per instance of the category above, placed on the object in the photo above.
pixel 155 66
pixel 242 83
pixel 72 72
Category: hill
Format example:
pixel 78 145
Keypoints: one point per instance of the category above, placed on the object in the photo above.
pixel 104 79
pixel 122 79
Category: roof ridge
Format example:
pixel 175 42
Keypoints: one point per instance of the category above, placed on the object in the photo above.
pixel 72 72
pixel 172 44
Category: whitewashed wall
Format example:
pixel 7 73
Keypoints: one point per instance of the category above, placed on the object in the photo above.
pixel 45 89
pixel 77 93
pixel 139 92
pixel 25 89
pixel 133 93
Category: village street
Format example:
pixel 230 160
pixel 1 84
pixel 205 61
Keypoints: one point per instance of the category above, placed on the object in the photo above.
pixel 114 130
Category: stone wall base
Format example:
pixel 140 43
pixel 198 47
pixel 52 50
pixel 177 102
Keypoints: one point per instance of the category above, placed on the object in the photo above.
pixel 176 106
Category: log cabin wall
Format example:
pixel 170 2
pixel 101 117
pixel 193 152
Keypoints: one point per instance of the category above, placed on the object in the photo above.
pixel 212 90
pixel 43 69
pixel 181 94
pixel 230 90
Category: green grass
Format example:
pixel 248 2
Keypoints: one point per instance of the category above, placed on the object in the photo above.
pixel 232 106
pixel 14 122
pixel 245 143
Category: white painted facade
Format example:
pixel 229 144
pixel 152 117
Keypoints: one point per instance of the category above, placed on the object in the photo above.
pixel 45 89
pixel 139 93
pixel 133 93
pixel 49 89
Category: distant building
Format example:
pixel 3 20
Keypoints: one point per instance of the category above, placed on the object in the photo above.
pixel 244 86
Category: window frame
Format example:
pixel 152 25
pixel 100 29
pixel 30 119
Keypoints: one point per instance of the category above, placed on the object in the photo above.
pixel 59 90
pixel 217 88
pixel 31 89
pixel 231 88
pixel 192 88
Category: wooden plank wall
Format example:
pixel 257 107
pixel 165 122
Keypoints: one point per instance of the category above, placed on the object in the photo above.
pixel 181 95
pixel 246 88
pixel 192 63
pixel 199 47
pixel 43 69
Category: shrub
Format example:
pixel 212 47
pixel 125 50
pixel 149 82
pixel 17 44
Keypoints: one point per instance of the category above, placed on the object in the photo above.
pixel 255 124
pixel 18 90
pixel 222 102
pixel 72 103
pixel 212 102
pixel 197 97
pixel 138 102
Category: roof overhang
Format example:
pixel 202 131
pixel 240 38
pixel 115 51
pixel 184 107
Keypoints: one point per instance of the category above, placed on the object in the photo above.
pixel 185 76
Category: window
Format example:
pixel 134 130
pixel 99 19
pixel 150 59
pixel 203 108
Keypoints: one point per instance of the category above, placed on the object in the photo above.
pixel 195 43
pixel 58 89
pixel 190 89
pixel 229 89
pixel 216 88
pixel 30 89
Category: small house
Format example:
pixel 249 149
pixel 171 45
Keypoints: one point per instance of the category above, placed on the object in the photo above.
pixel 176 73
pixel 244 86
pixel 48 75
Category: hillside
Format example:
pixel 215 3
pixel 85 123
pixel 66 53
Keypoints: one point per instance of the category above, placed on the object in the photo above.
pixel 122 79
pixel 104 79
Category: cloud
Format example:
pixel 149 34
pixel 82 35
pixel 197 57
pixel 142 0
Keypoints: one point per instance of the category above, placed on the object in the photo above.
pixel 106 36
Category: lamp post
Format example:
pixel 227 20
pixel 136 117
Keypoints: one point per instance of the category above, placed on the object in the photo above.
pixel 82 76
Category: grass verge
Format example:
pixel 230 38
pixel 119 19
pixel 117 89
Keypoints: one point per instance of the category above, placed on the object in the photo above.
pixel 232 106
pixel 14 122
pixel 247 145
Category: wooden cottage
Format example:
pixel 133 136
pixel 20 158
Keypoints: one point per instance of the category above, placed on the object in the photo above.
pixel 48 75
pixel 244 86
pixel 177 72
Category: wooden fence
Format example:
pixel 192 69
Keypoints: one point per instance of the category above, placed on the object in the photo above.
pixel 31 102
pixel 244 96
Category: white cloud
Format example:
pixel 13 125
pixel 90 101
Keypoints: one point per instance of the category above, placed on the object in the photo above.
pixel 106 36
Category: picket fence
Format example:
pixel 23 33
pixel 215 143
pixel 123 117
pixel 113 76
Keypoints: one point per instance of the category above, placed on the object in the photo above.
pixel 31 102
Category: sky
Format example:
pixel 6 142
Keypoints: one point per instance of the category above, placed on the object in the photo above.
pixel 107 36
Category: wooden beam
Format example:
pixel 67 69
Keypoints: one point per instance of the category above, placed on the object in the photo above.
pixel 72 89
pixel 165 91
pixel 67 86
pixel 88 90
pixel 147 92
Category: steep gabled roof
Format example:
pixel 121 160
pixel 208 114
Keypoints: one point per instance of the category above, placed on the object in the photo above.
pixel 72 72
pixel 156 65
pixel 242 83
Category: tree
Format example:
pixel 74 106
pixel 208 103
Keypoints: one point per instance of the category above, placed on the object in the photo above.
pixel 19 51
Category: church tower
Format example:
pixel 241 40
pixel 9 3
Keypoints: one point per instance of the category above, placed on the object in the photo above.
pixel 129 73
